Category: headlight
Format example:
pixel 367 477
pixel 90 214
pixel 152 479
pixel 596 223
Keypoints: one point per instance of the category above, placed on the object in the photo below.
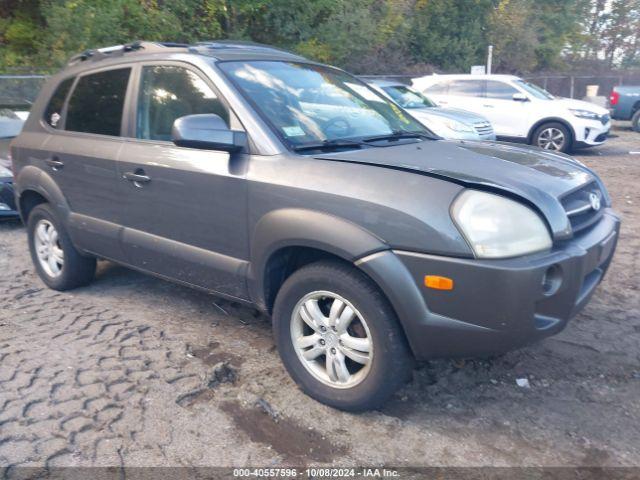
pixel 497 227
pixel 457 126
pixel 5 172
pixel 585 114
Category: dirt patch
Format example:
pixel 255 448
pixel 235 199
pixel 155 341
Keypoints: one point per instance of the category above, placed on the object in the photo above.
pixel 295 443
pixel 210 355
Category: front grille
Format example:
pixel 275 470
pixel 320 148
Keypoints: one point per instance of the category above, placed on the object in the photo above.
pixel 580 209
pixel 484 129
pixel 605 118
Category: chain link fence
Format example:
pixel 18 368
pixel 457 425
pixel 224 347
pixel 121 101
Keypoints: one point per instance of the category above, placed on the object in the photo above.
pixel 566 85
pixel 20 89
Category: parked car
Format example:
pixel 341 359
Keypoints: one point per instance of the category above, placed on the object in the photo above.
pixel 521 111
pixel 10 126
pixel 449 123
pixel 272 180
pixel 624 103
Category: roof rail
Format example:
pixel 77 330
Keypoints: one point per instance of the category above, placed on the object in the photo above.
pixel 206 47
pixel 116 50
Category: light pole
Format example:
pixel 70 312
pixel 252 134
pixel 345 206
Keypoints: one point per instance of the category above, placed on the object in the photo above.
pixel 489 59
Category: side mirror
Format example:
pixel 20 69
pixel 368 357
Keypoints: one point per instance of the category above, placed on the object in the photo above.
pixel 206 131
pixel 520 97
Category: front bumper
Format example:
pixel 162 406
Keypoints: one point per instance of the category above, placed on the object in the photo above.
pixel 591 133
pixel 496 305
pixel 7 198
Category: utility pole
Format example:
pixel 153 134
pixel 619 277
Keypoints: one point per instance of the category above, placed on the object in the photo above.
pixel 489 59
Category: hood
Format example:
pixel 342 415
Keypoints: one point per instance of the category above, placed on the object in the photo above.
pixel 539 178
pixel 448 113
pixel 581 105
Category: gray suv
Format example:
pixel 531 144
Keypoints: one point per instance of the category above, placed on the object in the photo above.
pixel 263 177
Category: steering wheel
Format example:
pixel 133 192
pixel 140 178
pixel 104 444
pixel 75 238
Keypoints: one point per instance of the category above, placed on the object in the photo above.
pixel 337 127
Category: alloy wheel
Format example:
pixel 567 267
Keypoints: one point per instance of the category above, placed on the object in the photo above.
pixel 48 248
pixel 551 139
pixel 331 339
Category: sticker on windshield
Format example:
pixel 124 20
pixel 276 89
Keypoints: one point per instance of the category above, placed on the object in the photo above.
pixel 294 131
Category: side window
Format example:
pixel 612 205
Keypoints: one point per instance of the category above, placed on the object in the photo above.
pixel 54 108
pixel 466 88
pixel 169 92
pixel 97 102
pixel 440 88
pixel 500 90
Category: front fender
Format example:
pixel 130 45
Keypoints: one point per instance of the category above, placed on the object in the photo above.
pixel 293 227
pixel 33 178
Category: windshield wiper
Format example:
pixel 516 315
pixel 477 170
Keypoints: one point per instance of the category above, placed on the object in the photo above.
pixel 397 135
pixel 329 145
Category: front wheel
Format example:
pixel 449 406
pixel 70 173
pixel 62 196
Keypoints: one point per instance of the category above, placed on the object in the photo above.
pixel 339 338
pixel 552 136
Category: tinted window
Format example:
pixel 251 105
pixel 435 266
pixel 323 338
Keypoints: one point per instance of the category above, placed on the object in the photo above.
pixel 168 93
pixel 54 109
pixel 97 102
pixel 500 90
pixel 466 88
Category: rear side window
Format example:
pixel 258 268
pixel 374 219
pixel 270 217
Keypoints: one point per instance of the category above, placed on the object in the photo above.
pixel 439 88
pixel 500 90
pixel 97 102
pixel 54 109
pixel 466 88
pixel 168 93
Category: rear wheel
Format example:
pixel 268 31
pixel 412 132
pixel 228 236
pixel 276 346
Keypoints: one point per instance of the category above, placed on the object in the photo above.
pixel 552 136
pixel 338 337
pixel 57 261
pixel 635 121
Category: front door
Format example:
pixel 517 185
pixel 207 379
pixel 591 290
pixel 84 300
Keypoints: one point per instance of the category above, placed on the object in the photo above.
pixel 509 117
pixel 187 218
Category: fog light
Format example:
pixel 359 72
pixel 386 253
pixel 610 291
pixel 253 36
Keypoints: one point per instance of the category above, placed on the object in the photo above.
pixel 4 207
pixel 552 280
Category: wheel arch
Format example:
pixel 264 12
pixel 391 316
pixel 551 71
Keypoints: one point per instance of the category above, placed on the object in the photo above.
pixel 287 239
pixel 541 122
pixel 34 187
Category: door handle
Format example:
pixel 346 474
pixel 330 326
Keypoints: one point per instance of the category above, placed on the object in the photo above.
pixel 55 163
pixel 138 177
pixel 488 106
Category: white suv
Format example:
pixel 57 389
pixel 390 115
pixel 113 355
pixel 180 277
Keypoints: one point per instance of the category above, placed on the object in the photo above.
pixel 521 111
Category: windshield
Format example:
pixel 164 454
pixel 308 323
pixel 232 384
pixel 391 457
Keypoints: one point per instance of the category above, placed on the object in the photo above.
pixel 307 104
pixel 407 98
pixel 535 90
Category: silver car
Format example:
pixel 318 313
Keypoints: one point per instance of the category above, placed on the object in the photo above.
pixel 449 123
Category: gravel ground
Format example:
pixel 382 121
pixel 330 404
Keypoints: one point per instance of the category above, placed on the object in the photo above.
pixel 137 371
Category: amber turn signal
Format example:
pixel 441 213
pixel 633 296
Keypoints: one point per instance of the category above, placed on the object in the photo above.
pixel 438 283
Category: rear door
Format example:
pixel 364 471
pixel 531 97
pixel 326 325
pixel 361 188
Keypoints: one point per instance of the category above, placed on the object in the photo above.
pixel 85 140
pixel 189 220
pixel 464 94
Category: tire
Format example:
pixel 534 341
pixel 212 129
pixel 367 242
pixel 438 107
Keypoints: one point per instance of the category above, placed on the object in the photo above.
pixel 390 362
pixel 546 136
pixel 75 270
pixel 635 121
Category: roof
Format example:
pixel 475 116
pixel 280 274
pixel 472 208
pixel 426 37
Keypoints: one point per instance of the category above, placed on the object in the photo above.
pixel 384 83
pixel 218 49
pixel 467 76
